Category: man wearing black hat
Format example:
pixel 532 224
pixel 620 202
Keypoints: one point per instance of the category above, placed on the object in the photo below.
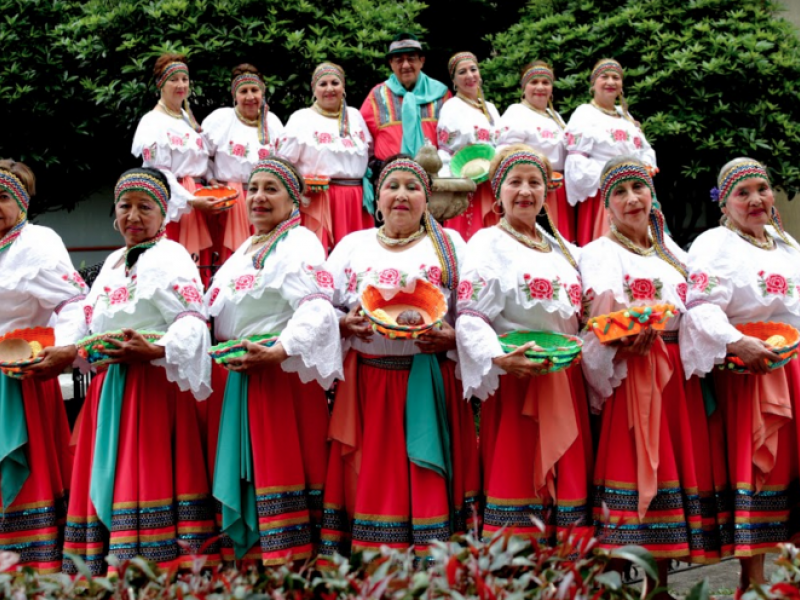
pixel 402 111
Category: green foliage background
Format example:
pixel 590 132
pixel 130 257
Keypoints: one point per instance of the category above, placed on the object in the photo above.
pixel 709 79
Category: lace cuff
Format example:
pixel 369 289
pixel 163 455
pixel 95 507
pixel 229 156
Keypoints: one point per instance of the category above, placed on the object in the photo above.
pixel 706 333
pixel 311 339
pixel 477 346
pixel 179 198
pixel 186 345
pixel 603 370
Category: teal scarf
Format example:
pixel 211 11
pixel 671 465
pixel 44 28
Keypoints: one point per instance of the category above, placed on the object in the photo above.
pixel 427 430
pixel 14 468
pixel 234 475
pixel 425 91
pixel 106 442
pixel 368 201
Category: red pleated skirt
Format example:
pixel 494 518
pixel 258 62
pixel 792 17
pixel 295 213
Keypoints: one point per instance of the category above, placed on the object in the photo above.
pixel 509 443
pixel 162 507
pixel 687 518
pixel 592 220
pixel 289 437
pixel 396 502
pixel 562 213
pixel 333 214
pixel 33 525
pixel 479 213
pixel 766 517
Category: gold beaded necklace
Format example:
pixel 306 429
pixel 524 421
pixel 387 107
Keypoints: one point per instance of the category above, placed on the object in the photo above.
pixel 245 120
pixel 171 113
pixel 769 244
pixel 326 113
pixel 544 113
pixel 525 240
pixel 628 243
pixel 399 241
pixel 605 111
pixel 476 104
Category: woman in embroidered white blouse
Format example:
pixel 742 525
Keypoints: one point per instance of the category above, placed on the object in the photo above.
pixel 747 270
pixel 274 284
pixel 518 275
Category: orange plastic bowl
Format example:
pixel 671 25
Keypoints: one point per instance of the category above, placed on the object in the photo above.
pixel 764 331
pixel 623 323
pixel 426 298
pixel 556 181
pixel 227 194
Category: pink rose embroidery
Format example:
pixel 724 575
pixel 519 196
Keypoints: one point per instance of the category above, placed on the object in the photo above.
pixel 575 294
pixel 324 279
pixel 464 290
pixel 245 282
pixel 637 142
pixel 541 289
pixel 641 289
pixel 347 143
pixel 146 154
pixel 682 289
pixel 175 140
pixel 699 281
pixel 88 311
pixel 774 284
pixel 352 283
pixel 435 275
pixel 362 136
pixel 119 296
pixel 263 153
pixel 548 135
pixel 483 135
pixel 323 138
pixel 199 143
pixel 570 139
pixel 389 277
pixel 191 294
pixel 214 294
pixel 238 150
pixel 620 135
pixel 76 277
pixel 444 137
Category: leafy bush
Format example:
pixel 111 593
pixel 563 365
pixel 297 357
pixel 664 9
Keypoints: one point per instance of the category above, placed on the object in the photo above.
pixel 710 80
pixel 465 569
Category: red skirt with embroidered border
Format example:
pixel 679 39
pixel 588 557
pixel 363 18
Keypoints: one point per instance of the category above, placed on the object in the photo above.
pixel 397 503
pixel 479 213
pixel 162 506
pixel 562 213
pixel 289 437
pixel 333 214
pixel 765 518
pixel 33 525
pixel 592 220
pixel 510 451
pixel 687 518
pixel 209 413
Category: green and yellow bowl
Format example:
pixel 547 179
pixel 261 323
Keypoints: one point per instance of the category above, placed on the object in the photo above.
pixel 468 154
pixel 222 353
pixel 561 350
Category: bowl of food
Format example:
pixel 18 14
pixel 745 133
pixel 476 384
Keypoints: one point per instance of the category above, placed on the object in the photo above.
pixel 406 314
pixel 225 351
pixel 317 184
pixel 556 181
pixel 21 348
pixel 557 350
pixel 782 338
pixel 631 321
pixel 227 195
pixel 92 348
pixel 472 162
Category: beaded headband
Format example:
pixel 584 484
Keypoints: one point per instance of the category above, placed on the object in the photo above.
pixel 537 71
pixel 247 79
pixel 511 161
pixel 606 65
pixel 169 71
pixel 283 173
pixel 139 181
pixel 746 169
pixel 410 166
pixel 458 57
pixel 626 171
pixel 326 69
pixel 12 184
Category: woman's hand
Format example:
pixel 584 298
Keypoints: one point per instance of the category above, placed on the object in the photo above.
pixel 437 340
pixel 56 359
pixel 206 204
pixel 258 357
pixel 214 183
pixel 354 324
pixel 517 364
pixel 640 344
pixel 754 354
pixel 134 348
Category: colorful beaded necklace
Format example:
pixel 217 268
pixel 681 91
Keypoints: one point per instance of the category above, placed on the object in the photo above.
pixel 272 238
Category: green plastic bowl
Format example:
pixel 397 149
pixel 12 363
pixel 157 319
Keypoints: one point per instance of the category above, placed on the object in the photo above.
pixel 222 353
pixel 468 153
pixel 561 349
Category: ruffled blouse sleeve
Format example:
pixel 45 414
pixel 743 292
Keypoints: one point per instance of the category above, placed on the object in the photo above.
pixel 581 173
pixel 711 286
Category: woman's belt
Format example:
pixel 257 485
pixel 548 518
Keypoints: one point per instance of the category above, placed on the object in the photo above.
pixel 347 182
pixel 393 363
pixel 670 337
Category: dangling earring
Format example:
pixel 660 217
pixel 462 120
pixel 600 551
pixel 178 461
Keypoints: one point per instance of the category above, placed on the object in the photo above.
pixel 498 205
pixel 344 94
pixel 116 225
pixel 378 215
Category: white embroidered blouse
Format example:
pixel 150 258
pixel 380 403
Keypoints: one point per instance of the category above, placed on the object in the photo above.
pixel 172 146
pixel 593 138
pixel 615 278
pixel 507 286
pixel 359 260
pixel 732 282
pixel 312 142
pixel 521 125
pixel 290 296
pixel 162 294
pixel 235 146
pixel 39 287
pixel 461 125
